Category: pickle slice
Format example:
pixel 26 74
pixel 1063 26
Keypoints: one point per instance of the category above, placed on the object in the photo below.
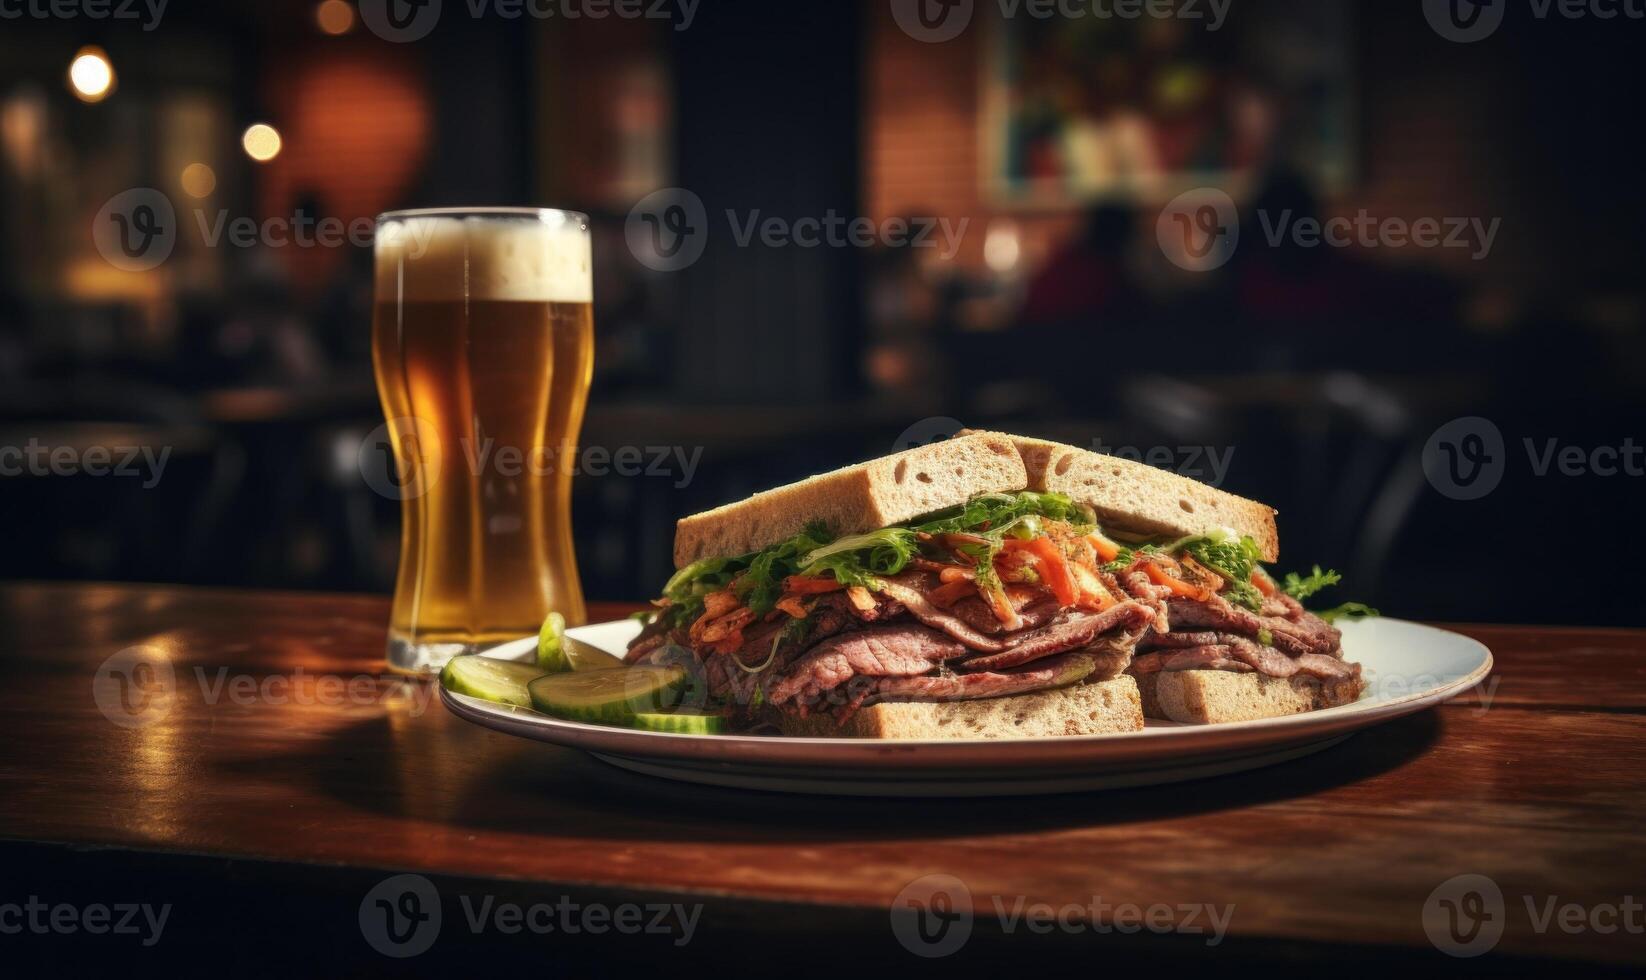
pixel 551 645
pixel 583 656
pixel 680 722
pixel 489 679
pixel 608 697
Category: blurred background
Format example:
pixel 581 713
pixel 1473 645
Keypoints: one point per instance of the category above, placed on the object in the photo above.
pixel 1048 278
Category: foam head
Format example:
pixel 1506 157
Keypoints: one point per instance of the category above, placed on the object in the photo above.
pixel 539 257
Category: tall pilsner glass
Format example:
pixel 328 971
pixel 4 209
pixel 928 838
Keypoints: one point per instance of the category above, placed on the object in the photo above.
pixel 483 344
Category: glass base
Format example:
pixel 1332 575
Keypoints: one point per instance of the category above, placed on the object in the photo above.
pixel 407 656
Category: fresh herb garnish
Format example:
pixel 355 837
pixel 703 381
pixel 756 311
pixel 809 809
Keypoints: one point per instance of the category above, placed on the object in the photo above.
pixel 1235 559
pixel 1127 556
pixel 862 559
pixel 993 511
pixel 1302 587
pixel 993 516
pixel 857 559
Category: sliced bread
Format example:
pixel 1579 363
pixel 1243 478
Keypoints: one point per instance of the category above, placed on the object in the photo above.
pixel 1211 696
pixel 1141 499
pixel 1087 709
pixel 855 499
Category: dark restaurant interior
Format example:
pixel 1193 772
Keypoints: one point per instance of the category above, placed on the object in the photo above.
pixel 1029 160
pixel 1378 265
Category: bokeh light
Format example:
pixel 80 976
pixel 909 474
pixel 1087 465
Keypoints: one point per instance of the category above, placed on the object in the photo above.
pixel 198 180
pixel 261 142
pixel 91 75
pixel 334 17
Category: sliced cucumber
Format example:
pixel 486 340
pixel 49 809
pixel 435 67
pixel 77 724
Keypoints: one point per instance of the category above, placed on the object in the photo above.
pixel 586 657
pixel 551 645
pixel 680 722
pixel 503 681
pixel 608 697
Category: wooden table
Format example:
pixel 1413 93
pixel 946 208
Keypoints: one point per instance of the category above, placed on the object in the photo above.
pixel 286 777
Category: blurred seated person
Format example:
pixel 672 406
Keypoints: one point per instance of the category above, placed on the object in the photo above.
pixel 1090 279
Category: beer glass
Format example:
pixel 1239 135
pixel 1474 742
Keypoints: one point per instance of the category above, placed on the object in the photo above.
pixel 482 345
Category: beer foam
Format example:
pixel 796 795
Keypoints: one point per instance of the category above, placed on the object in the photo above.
pixel 436 257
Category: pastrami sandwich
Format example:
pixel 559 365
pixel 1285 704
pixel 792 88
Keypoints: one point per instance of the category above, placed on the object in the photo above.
pixel 990 586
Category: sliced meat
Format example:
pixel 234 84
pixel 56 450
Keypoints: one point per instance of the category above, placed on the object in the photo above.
pixel 1111 654
pixel 910 589
pixel 1218 615
pixel 1076 630
pixel 1202 658
pixel 884 607
pixel 1327 668
pixel 1309 634
pixel 1058 672
pixel 879 651
pixel 1149 663
pixel 645 644
pixel 1035 607
pixel 1165 641
pixel 1136 583
pixel 1266 660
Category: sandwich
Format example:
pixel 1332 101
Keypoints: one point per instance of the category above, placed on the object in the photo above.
pixel 991 586
pixel 1230 641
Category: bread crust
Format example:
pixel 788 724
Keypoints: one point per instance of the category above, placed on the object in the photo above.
pixel 856 499
pixel 1102 708
pixel 1213 696
pixel 1142 499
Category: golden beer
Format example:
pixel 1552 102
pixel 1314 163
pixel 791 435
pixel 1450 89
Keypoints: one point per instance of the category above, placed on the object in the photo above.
pixel 483 345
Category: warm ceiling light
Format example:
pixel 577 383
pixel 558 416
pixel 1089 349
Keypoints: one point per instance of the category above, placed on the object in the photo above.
pixel 91 76
pixel 261 141
pixel 199 180
pixel 334 17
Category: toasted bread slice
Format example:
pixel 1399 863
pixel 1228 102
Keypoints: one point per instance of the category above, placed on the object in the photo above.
pixel 856 499
pixel 1141 499
pixel 1210 696
pixel 1088 709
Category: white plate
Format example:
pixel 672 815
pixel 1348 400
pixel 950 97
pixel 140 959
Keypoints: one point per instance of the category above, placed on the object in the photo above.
pixel 1408 667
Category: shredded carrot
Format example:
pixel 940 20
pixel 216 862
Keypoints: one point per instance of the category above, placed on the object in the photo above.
pixel 1093 593
pixel 947 595
pixel 1264 583
pixel 1002 607
pixel 1107 550
pixel 1054 568
pixel 1158 576
pixel 810 584
pixel 1202 576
